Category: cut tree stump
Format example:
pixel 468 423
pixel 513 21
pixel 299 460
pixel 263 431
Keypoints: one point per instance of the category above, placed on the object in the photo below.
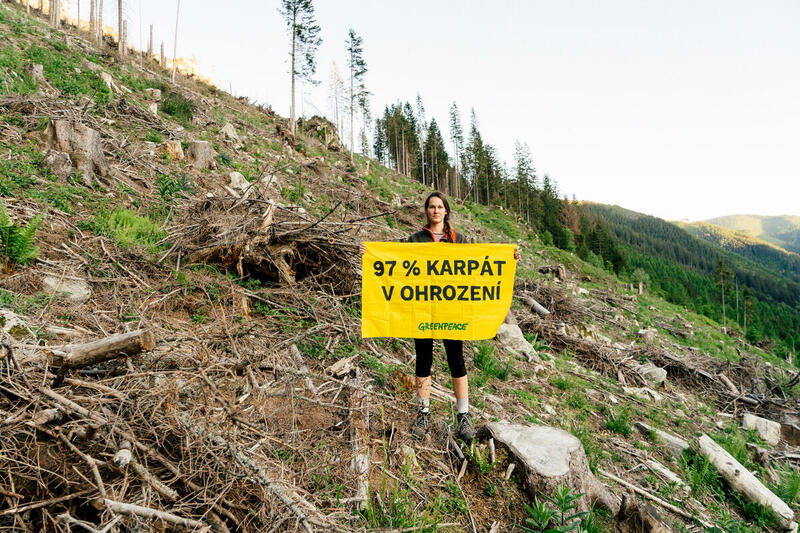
pixel 742 480
pixel 91 353
pixel 84 146
pixel 202 155
pixel 549 457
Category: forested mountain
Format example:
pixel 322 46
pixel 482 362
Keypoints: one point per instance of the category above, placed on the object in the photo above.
pixel 783 231
pixel 759 251
pixel 687 269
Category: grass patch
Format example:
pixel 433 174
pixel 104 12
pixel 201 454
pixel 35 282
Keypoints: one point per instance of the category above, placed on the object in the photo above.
pixel 619 422
pixel 179 108
pixel 488 364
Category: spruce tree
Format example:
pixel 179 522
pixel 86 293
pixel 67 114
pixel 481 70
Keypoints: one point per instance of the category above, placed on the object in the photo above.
pixel 457 138
pixel 305 39
pixel 358 68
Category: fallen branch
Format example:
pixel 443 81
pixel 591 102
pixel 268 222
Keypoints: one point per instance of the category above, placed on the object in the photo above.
pixel 91 353
pixel 535 306
pixel 258 474
pixel 659 501
pixel 147 512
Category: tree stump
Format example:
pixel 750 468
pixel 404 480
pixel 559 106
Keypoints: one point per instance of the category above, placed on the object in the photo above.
pixel 202 154
pixel 83 145
pixel 548 457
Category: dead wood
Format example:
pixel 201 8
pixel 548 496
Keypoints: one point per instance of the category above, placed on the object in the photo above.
pixel 91 353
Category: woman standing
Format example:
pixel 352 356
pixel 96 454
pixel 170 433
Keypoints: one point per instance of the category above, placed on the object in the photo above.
pixel 438 229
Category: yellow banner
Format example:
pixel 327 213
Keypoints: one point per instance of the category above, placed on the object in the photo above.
pixel 435 290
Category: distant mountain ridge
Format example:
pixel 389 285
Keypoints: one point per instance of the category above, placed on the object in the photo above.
pixel 783 231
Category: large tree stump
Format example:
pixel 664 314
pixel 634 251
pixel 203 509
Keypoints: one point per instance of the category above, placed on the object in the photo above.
pixel 202 155
pixel 742 480
pixel 549 456
pixel 83 145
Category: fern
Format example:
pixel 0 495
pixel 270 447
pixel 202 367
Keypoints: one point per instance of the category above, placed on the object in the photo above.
pixel 17 244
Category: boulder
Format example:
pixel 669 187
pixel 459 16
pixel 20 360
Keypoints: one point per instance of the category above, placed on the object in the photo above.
pixel 742 480
pixel 767 430
pixel 94 67
pixel 36 71
pixel 153 108
pixel 174 150
pixel 72 291
pixel 675 445
pixel 550 456
pixel 652 375
pixel 644 393
pixel 238 181
pixel 82 143
pixel 202 154
pixel 513 341
pixel 59 163
pixel 154 95
pixel 13 325
pixel 229 132
pixel 647 335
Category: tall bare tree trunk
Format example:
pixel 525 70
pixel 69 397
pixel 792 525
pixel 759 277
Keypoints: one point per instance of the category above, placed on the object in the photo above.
pixel 79 15
pixel 150 44
pixel 294 39
pixel 724 323
pixel 352 131
pixel 175 46
pixel 120 45
pixel 92 7
pixel 125 38
pixel 99 24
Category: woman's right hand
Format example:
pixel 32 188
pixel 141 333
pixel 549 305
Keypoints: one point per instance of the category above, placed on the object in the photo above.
pixel 362 249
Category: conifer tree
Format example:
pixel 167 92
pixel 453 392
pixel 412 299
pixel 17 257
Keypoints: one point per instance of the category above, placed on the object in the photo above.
pixel 305 39
pixel 457 138
pixel 721 275
pixel 358 68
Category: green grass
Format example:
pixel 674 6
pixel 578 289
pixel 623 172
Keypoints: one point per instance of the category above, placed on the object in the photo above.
pixel 488 364
pixel 178 107
pixel 619 422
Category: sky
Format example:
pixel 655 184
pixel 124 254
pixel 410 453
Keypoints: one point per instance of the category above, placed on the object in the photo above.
pixel 685 110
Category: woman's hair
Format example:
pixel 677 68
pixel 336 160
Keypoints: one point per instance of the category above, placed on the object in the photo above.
pixel 448 233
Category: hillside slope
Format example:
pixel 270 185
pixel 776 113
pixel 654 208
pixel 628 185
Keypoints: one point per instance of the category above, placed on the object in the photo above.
pixel 235 244
pixel 783 231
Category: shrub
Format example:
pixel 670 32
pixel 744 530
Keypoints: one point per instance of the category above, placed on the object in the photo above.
pixel 154 136
pixel 17 245
pixel 182 109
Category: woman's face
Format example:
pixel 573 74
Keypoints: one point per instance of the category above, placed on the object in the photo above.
pixel 435 211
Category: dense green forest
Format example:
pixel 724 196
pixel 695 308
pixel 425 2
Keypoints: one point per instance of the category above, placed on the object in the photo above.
pixel 410 144
pixel 686 271
pixel 756 250
pixel 783 231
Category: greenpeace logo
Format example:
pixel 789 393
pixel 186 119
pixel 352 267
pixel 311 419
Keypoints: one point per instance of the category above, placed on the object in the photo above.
pixel 442 326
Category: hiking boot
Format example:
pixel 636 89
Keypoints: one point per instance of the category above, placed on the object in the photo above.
pixel 420 427
pixel 464 429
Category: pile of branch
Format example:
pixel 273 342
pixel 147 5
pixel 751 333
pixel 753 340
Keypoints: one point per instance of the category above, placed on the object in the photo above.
pixel 264 240
pixel 201 446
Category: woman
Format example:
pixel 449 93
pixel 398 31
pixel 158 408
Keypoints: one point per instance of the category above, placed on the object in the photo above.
pixel 438 229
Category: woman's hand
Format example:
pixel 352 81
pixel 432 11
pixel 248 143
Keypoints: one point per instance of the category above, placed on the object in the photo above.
pixel 516 253
pixel 362 249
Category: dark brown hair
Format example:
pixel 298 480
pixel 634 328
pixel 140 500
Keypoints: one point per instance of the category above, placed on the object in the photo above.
pixel 449 234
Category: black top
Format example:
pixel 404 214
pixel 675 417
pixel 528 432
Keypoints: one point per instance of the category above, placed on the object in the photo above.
pixel 425 235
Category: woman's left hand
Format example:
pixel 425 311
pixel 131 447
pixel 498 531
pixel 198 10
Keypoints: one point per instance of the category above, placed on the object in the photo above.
pixel 516 253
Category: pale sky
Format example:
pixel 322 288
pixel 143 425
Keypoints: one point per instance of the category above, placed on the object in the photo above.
pixel 680 109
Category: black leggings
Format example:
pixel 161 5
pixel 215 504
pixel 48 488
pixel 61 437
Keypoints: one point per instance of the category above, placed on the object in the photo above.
pixel 455 357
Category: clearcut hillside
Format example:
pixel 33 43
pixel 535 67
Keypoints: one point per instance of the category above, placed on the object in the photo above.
pixel 219 253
